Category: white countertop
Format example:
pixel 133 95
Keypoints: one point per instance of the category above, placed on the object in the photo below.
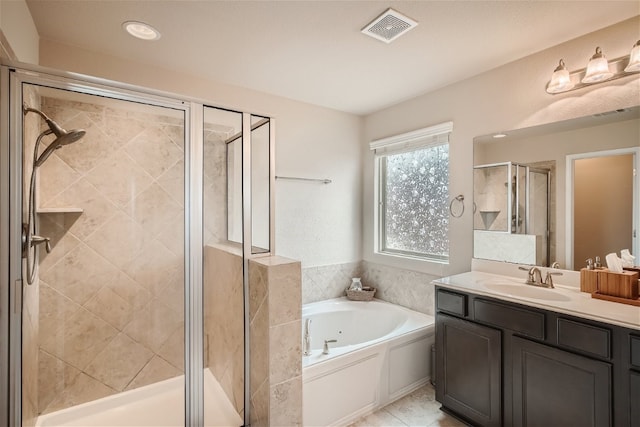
pixel 561 299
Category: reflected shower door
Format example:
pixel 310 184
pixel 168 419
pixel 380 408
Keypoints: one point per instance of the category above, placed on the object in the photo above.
pixel 103 320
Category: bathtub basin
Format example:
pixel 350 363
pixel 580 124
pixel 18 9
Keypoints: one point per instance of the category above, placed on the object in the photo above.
pixel 383 352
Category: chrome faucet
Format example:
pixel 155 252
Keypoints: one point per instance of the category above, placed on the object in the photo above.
pixel 535 276
pixel 548 281
pixel 307 338
pixel 325 350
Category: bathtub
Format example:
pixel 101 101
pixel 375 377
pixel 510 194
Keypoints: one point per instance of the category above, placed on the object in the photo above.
pixel 158 404
pixel 382 353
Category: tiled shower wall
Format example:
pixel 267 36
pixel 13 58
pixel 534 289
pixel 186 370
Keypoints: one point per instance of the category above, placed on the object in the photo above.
pixel 407 288
pixel 111 291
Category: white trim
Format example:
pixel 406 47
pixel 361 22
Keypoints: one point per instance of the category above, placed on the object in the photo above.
pixel 570 161
pixel 437 134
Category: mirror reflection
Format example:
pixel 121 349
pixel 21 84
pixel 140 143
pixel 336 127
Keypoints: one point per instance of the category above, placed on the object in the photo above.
pixel 557 194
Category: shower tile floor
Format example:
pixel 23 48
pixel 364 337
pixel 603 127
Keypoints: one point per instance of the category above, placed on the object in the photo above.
pixel 416 409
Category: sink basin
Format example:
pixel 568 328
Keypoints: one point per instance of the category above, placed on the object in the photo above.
pixel 527 291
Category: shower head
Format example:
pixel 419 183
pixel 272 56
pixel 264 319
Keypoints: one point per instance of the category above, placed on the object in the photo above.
pixel 66 138
pixel 63 137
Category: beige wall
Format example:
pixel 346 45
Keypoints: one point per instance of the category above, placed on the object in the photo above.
pixel 19 38
pixel 603 195
pixel 509 97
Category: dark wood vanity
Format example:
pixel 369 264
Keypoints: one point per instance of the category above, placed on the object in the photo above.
pixel 500 363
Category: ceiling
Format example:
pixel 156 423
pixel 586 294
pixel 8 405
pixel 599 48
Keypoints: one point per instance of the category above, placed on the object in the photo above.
pixel 313 51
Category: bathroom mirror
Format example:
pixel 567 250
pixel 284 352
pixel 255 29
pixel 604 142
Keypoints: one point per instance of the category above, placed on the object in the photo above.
pixel 561 192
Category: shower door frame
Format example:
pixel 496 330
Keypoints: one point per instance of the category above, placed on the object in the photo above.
pixel 12 77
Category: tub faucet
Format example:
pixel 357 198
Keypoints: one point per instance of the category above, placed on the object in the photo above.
pixel 307 338
pixel 325 350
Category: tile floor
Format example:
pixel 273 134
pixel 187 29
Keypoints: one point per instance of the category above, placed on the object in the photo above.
pixel 416 409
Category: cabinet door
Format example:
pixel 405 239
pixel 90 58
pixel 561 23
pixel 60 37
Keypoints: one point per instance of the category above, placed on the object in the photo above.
pixel 634 396
pixel 553 387
pixel 468 367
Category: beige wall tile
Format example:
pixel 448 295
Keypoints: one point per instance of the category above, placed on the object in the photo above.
pixel 110 307
pixel 153 325
pixel 154 267
pixel 260 406
pixel 80 274
pixel 97 209
pixel 285 352
pixel 62 242
pixel 172 181
pixel 80 340
pixel 119 240
pixel 129 290
pixel 54 376
pixel 259 351
pixel 153 208
pixel 154 151
pixel 54 176
pixel 119 362
pixel 286 403
pixel 83 389
pixel 285 293
pixel 173 349
pixel 55 311
pixel 156 370
pixel 119 179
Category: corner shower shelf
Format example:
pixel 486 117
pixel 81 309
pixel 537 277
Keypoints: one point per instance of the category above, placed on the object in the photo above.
pixel 69 209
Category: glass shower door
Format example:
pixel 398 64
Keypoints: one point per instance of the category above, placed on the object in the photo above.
pixel 103 314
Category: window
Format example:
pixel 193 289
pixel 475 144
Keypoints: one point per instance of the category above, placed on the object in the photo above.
pixel 412 174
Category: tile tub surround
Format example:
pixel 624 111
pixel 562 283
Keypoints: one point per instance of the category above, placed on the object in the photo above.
pixel 327 281
pixel 275 311
pixel 111 291
pixel 407 288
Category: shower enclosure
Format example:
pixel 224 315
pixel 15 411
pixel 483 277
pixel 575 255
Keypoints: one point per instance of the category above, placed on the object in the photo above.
pixel 512 213
pixel 128 219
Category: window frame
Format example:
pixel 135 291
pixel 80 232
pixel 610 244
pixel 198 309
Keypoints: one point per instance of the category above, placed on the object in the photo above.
pixel 432 136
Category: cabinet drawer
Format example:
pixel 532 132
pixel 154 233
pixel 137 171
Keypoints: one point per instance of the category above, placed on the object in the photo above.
pixel 583 337
pixel 528 322
pixel 451 302
pixel 634 343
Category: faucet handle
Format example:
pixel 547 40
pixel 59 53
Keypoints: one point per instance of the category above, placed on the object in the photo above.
pixel 325 350
pixel 549 279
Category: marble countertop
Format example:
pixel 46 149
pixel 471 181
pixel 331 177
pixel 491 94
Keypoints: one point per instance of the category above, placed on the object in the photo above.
pixel 561 299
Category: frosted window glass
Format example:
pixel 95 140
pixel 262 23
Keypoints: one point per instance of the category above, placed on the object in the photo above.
pixel 414 210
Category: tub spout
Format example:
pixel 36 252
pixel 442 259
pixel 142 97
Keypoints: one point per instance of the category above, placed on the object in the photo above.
pixel 326 346
pixel 307 338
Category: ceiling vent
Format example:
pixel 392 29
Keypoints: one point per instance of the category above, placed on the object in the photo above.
pixel 389 26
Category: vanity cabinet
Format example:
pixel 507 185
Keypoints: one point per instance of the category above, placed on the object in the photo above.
pixel 470 363
pixel 556 387
pixel 503 363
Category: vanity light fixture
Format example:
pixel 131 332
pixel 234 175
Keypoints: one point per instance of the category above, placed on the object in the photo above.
pixel 598 70
pixel 141 30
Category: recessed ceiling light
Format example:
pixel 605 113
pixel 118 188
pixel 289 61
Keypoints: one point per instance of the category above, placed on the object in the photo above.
pixel 141 30
pixel 499 135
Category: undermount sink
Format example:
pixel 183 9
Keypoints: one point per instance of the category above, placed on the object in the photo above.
pixel 526 291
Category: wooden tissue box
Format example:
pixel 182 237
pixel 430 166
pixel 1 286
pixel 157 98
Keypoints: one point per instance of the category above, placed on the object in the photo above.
pixel 623 285
pixel 589 280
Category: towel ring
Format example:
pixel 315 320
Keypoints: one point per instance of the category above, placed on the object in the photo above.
pixel 458 198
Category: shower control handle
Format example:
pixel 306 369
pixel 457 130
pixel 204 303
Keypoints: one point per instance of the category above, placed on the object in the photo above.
pixel 38 240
